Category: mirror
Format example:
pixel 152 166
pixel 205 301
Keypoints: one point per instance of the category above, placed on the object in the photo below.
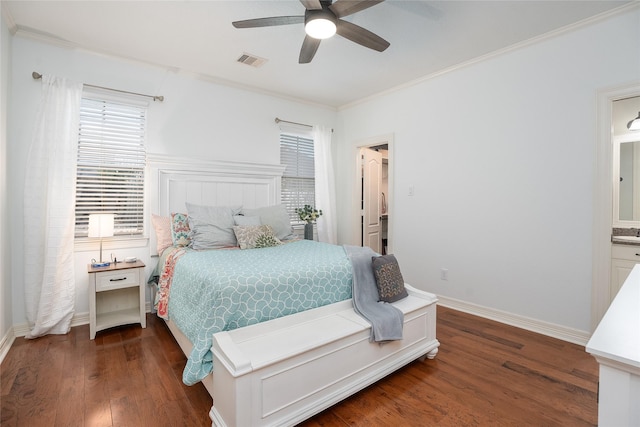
pixel 626 181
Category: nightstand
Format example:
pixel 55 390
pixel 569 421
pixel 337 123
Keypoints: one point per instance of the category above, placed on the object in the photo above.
pixel 116 296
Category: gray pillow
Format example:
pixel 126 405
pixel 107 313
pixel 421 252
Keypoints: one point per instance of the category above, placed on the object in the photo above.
pixel 212 226
pixel 277 217
pixel 242 220
pixel 389 280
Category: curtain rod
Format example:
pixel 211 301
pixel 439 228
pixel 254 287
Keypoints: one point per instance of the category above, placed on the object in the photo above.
pixel 293 123
pixel 38 76
pixel 278 120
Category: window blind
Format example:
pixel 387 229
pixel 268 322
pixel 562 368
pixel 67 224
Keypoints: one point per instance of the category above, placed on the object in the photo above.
pixel 111 162
pixel 298 179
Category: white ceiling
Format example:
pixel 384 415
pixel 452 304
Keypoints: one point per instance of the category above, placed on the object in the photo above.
pixel 197 36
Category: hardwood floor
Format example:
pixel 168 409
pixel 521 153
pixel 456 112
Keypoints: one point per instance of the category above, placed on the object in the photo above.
pixel 486 373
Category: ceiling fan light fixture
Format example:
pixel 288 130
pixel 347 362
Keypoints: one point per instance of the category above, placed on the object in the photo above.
pixel 635 123
pixel 320 24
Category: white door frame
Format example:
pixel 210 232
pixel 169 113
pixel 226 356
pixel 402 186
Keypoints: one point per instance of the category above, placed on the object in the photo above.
pixel 356 227
pixel 602 199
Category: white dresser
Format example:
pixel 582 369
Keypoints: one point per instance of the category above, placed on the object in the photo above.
pixel 616 346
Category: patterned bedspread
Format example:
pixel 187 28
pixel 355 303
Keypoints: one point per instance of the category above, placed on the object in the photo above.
pixel 221 290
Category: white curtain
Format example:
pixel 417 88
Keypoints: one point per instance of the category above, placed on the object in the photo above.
pixel 325 185
pixel 49 209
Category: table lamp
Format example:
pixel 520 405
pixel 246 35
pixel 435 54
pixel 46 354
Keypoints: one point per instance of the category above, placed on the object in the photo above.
pixel 100 225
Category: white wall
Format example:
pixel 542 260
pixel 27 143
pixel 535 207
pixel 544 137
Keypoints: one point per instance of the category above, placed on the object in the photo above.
pixel 501 155
pixel 197 119
pixel 5 263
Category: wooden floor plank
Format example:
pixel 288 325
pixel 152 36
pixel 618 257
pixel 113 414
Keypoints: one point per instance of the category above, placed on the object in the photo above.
pixel 71 390
pixel 476 375
pixel 125 411
pixel 9 410
pixel 97 412
pixel 486 373
pixel 116 373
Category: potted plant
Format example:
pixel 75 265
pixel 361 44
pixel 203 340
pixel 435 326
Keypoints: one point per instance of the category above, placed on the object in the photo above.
pixel 308 214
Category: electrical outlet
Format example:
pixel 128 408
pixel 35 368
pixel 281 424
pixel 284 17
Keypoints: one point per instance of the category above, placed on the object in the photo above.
pixel 411 189
pixel 444 274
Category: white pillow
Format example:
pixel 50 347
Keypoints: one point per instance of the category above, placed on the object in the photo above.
pixel 277 217
pixel 162 226
pixel 211 226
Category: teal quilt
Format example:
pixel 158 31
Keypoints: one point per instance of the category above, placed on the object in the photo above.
pixel 221 290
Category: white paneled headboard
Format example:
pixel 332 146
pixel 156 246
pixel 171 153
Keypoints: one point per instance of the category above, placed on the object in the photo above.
pixel 174 181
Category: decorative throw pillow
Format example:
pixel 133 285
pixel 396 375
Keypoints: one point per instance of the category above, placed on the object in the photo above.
pixel 389 280
pixel 246 220
pixel 211 226
pixel 180 229
pixel 277 217
pixel 162 226
pixel 255 236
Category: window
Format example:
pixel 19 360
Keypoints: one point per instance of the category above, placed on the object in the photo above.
pixel 111 162
pixel 298 179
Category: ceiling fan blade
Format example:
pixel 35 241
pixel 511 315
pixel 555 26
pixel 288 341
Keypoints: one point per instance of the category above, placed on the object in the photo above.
pixel 308 50
pixel 269 22
pixel 361 36
pixel 311 4
pixel 343 8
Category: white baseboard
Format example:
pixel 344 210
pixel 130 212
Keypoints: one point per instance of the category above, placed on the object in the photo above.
pixel 571 335
pixel 77 320
pixel 5 343
pixel 20 330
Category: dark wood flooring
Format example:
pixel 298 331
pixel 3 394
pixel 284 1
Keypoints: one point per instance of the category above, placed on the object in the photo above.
pixel 486 374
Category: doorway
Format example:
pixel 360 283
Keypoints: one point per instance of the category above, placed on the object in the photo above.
pixel 374 212
pixel 603 193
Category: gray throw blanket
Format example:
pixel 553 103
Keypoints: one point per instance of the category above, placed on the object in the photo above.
pixel 386 320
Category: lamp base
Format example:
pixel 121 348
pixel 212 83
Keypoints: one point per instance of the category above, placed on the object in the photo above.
pixel 100 264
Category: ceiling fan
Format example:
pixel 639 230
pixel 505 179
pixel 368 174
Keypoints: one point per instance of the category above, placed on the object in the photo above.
pixel 322 19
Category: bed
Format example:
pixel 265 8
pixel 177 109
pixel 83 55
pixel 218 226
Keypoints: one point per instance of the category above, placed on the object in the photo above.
pixel 267 363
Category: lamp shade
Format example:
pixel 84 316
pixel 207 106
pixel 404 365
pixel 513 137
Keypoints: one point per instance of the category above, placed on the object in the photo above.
pixel 101 225
pixel 634 124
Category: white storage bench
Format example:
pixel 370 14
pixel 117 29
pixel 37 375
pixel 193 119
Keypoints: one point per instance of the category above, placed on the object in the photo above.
pixel 283 371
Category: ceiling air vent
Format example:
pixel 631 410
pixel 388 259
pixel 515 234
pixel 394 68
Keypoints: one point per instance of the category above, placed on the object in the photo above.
pixel 252 60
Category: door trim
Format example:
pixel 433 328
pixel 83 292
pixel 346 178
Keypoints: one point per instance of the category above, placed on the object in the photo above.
pixel 356 233
pixel 602 200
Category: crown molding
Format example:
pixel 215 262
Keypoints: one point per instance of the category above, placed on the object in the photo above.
pixel 8 18
pixel 514 47
pixel 53 40
pixel 50 39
